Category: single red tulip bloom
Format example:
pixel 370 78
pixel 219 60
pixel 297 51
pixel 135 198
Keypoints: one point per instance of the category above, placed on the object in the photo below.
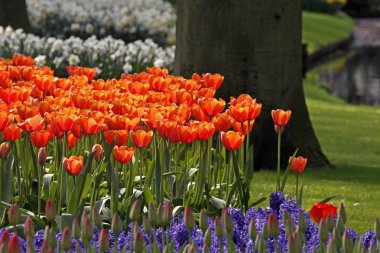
pixel 186 134
pixel 123 154
pixel 40 138
pixel 231 140
pixel 205 130
pixel 141 138
pixel 12 132
pixel 222 122
pixel 212 106
pixel 281 117
pixel 297 164
pixel 320 211
pixel 32 124
pixel 212 80
pixel 120 135
pixel 73 165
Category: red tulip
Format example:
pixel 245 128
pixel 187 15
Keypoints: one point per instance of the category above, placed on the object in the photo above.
pixel 123 154
pixel 12 132
pixel 14 244
pixel 231 140
pixel 40 138
pixel 141 138
pixel 281 117
pixel 320 211
pixel 73 165
pixel 297 164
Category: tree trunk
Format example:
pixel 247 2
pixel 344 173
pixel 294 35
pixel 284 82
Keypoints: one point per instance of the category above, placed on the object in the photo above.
pixel 14 13
pixel 256 45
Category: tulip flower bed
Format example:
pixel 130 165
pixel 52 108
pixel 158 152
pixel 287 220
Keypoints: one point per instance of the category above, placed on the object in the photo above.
pixel 145 143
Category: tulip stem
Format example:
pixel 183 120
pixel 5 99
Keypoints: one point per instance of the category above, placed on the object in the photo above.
pixel 278 160
pixel 297 186
pixel 39 190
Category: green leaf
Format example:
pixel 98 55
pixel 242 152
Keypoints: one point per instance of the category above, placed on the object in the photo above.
pixel 257 201
pixel 327 199
pixel 248 168
pixel 64 220
pixel 148 197
pixel 285 177
pixel 231 193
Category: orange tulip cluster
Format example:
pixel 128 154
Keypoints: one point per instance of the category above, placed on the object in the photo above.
pixel 182 110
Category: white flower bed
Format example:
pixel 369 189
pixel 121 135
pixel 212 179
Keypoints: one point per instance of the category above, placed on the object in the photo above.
pixel 126 19
pixel 111 56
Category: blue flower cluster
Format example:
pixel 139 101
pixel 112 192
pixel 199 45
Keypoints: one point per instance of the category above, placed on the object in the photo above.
pixel 179 234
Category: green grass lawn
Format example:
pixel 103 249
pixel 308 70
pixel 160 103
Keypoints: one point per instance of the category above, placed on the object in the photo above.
pixel 350 137
pixel 322 29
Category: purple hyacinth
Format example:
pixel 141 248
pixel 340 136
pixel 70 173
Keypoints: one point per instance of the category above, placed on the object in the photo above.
pixel 368 238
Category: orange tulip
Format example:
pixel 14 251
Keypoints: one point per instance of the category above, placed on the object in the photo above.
pixel 5 81
pixel 231 140
pixel 186 134
pixel 5 120
pixel 138 88
pixel 212 81
pixel 119 122
pixel 73 165
pixel 65 121
pixel 183 97
pixel 12 132
pixel 25 111
pixel 10 95
pixel 238 125
pixel 25 91
pixel 281 117
pixel 205 93
pixel 71 140
pixel 80 101
pixel 159 83
pixel 141 138
pixel 123 154
pixel 22 60
pixel 156 71
pixel 153 117
pixel 40 138
pixel 89 126
pixel 165 127
pixel 205 131
pixel 90 73
pixel 222 122
pixel 121 136
pixel 43 82
pixel 297 164
pixel 242 98
pixel 32 124
pixel 190 85
pixel 212 106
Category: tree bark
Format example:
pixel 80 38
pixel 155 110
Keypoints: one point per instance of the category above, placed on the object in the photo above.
pixel 14 13
pixel 256 45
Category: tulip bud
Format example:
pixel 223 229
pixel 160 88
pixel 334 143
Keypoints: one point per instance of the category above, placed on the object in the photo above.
pixel 203 221
pixel 342 212
pixel 96 217
pixel 323 230
pixel 227 221
pixel 29 246
pixel 28 228
pixel 301 236
pixel 117 225
pixel 4 150
pixel 347 243
pixel 14 215
pixel 289 227
pixel 168 214
pixel 340 224
pixel 189 218
pixel 138 243
pixel 50 211
pixel 66 240
pixel 14 244
pixel 160 215
pixel 87 230
pixel 42 156
pixel 292 243
pixel 98 151
pixel 252 231
pixel 104 240
pixel 337 238
pixel 75 229
pixel 331 248
pixel 207 237
pixel 51 239
pixel 218 228
pixel 152 214
pixel 261 244
pixel 330 222
pixel 377 228
pixel 286 217
pixel 134 213
pixel 78 249
pixel 4 241
pixel 146 225
pixel 302 222
pixel 265 232
pixel 372 248
pixel 273 226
